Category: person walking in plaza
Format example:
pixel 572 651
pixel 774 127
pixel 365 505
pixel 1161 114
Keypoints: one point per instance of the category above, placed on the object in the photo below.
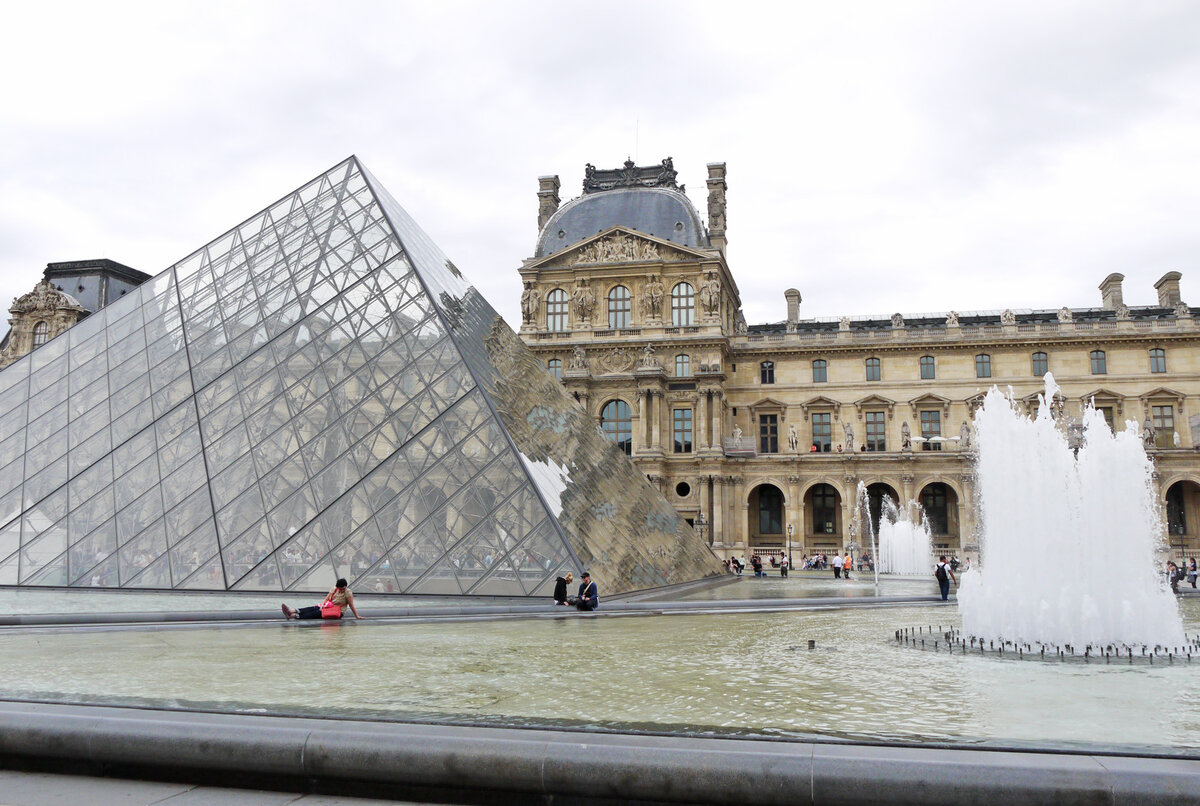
pixel 783 566
pixel 560 588
pixel 846 565
pixel 944 574
pixel 589 594
pixel 837 566
pixel 1191 571
pixel 334 606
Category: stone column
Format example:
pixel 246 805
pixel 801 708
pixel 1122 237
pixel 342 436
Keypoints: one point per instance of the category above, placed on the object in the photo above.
pixel 718 509
pixel 705 509
pixel 642 441
pixel 702 421
pixel 656 418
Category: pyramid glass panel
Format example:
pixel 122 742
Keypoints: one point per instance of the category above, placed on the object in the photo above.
pixel 316 393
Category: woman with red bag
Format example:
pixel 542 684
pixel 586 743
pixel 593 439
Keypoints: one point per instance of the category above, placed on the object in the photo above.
pixel 335 603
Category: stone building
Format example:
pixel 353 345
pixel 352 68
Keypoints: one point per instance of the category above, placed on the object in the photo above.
pixel 761 434
pixel 67 292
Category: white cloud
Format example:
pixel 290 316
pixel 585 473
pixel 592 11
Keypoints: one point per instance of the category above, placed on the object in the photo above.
pixel 882 157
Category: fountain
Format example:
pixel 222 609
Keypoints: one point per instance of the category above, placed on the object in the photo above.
pixel 901 537
pixel 1068 539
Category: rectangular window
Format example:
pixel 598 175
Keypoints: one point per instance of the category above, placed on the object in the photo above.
pixel 1158 360
pixel 820 371
pixel 767 371
pixel 876 430
pixel 768 433
pixel 1041 364
pixel 873 369
pixel 983 366
pixel 931 426
pixel 927 368
pixel 683 430
pixel 1164 426
pixel 1099 362
pixel 822 432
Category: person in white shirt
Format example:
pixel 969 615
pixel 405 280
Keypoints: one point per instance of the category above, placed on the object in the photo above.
pixel 837 566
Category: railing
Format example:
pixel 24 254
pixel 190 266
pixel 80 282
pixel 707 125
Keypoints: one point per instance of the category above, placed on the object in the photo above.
pixel 740 446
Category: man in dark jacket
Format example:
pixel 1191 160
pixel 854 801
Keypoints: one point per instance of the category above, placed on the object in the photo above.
pixel 560 588
pixel 589 594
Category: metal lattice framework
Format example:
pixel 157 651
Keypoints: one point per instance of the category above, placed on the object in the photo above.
pixel 316 393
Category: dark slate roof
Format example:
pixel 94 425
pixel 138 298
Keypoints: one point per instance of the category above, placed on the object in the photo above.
pixel 661 212
pixel 970 319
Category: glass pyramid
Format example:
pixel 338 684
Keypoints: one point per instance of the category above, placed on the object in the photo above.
pixel 316 393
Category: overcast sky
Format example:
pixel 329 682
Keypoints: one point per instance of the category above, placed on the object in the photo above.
pixel 882 157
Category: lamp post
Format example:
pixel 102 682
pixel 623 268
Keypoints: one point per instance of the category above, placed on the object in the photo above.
pixel 789 546
pixel 701 524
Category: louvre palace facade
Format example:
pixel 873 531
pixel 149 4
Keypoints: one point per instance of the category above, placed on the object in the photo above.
pixel 760 434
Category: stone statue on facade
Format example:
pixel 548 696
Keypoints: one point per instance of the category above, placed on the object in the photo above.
pixel 585 300
pixel 964 436
pixel 716 209
pixel 1182 311
pixel 710 294
pixel 578 359
pixel 652 298
pixel 1122 311
pixel 1148 433
pixel 1008 317
pixel 1065 315
pixel 844 323
pixel 952 319
pixel 897 320
pixel 737 431
pixel 848 428
pixel 531 301
pixel 793 438
pixel 905 437
pixel 739 324
pixel 649 360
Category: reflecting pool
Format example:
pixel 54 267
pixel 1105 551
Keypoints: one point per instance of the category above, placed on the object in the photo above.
pixel 733 673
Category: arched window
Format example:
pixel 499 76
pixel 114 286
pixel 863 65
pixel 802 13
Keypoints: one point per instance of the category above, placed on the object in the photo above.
pixel 1158 360
pixel 618 308
pixel 556 311
pixel 1099 362
pixel 820 371
pixel 41 334
pixel 770 510
pixel 766 372
pixel 927 368
pixel 873 369
pixel 683 366
pixel 824 505
pixel 983 366
pixel 1041 364
pixel 683 305
pixel 937 511
pixel 617 424
pixel 555 367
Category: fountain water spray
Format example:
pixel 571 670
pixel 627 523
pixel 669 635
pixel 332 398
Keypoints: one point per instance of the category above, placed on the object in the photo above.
pixel 1068 538
pixel 901 540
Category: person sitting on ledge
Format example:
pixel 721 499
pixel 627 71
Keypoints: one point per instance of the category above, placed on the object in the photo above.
pixel 560 588
pixel 589 594
pixel 339 595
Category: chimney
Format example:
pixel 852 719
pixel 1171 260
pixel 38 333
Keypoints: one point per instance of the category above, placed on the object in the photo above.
pixel 716 205
pixel 1110 292
pixel 793 303
pixel 547 199
pixel 1168 289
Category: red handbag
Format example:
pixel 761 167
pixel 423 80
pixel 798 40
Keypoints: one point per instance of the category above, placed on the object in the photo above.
pixel 330 610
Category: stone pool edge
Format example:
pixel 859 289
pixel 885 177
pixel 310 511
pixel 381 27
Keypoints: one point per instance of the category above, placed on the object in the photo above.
pixel 455 764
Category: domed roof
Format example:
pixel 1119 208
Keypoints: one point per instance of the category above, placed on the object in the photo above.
pixel 661 212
